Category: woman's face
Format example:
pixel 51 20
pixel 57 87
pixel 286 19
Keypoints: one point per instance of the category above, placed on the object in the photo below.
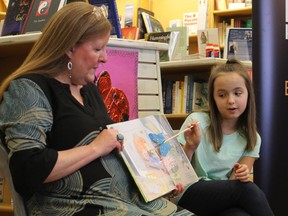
pixel 231 95
pixel 86 58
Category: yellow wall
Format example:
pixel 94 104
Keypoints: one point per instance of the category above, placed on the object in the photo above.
pixel 121 4
pixel 165 10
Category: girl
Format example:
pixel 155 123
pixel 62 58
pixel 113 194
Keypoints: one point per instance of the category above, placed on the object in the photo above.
pixel 224 146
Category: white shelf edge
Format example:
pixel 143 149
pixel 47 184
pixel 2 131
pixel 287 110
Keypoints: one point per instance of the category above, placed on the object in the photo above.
pixel 115 42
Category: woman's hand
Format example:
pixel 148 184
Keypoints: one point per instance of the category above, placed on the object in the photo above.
pixel 107 141
pixel 241 172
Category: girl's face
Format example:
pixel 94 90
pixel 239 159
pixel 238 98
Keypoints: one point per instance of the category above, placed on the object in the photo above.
pixel 230 95
pixel 86 58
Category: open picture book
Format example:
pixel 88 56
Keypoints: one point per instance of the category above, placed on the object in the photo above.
pixel 155 165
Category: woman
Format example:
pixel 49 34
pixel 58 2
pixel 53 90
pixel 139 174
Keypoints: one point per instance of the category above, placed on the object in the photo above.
pixel 63 160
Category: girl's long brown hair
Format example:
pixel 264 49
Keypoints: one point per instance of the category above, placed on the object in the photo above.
pixel 246 124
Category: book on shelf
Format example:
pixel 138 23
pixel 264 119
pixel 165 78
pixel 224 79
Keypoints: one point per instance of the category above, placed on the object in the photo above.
pixel 40 13
pixel 239 43
pixel 190 19
pixel 220 5
pixel 168 84
pixel 140 21
pixel 189 93
pixel 17 13
pixel 200 96
pixel 171 38
pixel 175 23
pixel 207 36
pixel 202 14
pixel 131 33
pixel 248 3
pixel 155 165
pixel 112 11
pixel 182 49
pixel 151 23
pixel 236 4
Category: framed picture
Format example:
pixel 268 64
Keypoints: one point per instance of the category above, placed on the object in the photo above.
pixel 239 44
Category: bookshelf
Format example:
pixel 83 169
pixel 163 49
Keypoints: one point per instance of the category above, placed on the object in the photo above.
pixel 199 68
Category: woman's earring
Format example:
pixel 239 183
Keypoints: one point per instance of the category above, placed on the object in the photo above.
pixel 69 66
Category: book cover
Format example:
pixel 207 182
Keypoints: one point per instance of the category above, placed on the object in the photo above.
pixel 40 13
pixel 182 49
pixel 207 36
pixel 111 8
pixel 202 14
pixel 171 38
pixel 140 21
pixel 191 21
pixel 200 96
pixel 151 23
pixel 16 15
pixel 155 165
pixel 238 43
pixel 131 33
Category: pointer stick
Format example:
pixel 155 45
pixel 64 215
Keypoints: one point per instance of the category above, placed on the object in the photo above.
pixel 172 137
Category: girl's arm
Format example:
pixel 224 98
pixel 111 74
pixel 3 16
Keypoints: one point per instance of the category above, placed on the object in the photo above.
pixel 242 169
pixel 192 138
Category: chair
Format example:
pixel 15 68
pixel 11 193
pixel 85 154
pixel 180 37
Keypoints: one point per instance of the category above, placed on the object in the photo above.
pixel 18 204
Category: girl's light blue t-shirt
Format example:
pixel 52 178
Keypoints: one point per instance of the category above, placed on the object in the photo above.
pixel 212 165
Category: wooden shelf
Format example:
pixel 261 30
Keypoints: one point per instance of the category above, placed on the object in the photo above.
pixel 5 208
pixel 176 120
pixel 234 12
pixel 2 15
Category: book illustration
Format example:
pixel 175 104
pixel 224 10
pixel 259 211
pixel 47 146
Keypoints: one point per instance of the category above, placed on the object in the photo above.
pixel 151 23
pixel 155 169
pixel 207 36
pixel 200 96
pixel 40 13
pixel 164 147
pixel 112 11
pixel 16 15
pixel 116 102
pixel 123 71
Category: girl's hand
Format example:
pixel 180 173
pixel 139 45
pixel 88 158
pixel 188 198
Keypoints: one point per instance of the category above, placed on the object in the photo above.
pixel 179 189
pixel 241 172
pixel 193 136
pixel 107 141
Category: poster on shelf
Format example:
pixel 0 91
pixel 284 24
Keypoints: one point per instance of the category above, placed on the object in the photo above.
pixel 239 44
pixel 120 83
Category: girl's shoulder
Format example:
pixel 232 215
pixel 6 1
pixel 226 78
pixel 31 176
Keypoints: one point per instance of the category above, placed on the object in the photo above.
pixel 202 117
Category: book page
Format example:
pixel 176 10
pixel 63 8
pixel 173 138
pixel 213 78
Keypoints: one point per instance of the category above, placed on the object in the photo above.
pixel 155 166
